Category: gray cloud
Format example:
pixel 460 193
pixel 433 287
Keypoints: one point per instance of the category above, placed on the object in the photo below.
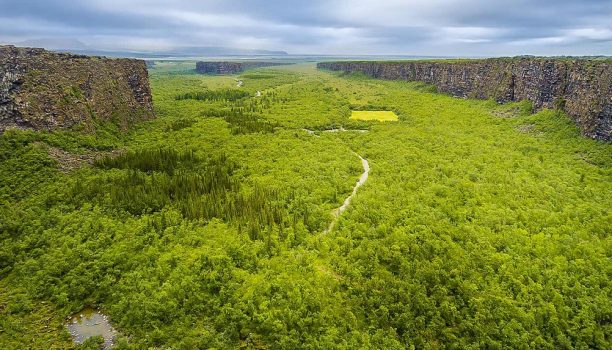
pixel 434 27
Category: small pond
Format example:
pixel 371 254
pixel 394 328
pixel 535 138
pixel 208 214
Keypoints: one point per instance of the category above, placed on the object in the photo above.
pixel 89 323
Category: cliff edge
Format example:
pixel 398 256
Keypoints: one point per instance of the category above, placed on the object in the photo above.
pixel 580 87
pixel 225 67
pixel 44 90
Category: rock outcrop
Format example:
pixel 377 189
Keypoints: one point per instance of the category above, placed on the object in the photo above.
pixel 581 87
pixel 226 67
pixel 44 90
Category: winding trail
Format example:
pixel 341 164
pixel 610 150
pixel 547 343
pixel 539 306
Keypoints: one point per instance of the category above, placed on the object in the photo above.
pixel 338 211
pixel 362 179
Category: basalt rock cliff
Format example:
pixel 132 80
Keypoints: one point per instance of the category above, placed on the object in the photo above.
pixel 43 90
pixel 226 67
pixel 581 87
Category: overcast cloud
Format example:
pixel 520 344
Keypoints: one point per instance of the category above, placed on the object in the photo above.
pixel 431 27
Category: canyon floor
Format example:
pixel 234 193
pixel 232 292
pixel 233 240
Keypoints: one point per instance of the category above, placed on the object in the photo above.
pixel 480 225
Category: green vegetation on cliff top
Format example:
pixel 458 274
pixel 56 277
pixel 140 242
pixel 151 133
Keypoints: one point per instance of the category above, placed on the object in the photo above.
pixel 484 59
pixel 480 226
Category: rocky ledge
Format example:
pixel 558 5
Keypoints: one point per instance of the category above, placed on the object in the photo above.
pixel 44 90
pixel 581 87
pixel 226 67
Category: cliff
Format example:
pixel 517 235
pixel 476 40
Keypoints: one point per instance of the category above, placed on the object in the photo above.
pixel 582 88
pixel 230 67
pixel 44 90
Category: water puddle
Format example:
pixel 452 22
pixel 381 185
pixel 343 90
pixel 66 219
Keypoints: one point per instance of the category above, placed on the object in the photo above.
pixel 89 323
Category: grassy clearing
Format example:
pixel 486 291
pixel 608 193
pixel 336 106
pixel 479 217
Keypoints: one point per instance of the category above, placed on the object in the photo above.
pixel 382 116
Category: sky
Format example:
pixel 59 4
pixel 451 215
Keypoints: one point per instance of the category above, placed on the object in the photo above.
pixel 334 27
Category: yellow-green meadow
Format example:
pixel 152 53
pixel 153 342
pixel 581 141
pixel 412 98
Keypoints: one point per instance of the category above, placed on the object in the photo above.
pixel 382 116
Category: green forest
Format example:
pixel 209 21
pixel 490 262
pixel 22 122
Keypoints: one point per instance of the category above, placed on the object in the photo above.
pixel 480 226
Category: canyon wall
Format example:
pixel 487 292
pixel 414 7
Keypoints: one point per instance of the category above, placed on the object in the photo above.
pixel 581 87
pixel 45 90
pixel 226 67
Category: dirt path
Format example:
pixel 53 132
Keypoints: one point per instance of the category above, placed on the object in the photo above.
pixel 338 211
pixel 364 177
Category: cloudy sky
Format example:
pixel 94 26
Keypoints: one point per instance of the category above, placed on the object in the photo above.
pixel 410 27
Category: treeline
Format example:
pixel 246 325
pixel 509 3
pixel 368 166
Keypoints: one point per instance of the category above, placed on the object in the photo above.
pixel 243 115
pixel 242 121
pixel 150 160
pixel 153 179
pixel 265 101
pixel 249 123
pixel 214 95
pixel 257 76
pixel 368 107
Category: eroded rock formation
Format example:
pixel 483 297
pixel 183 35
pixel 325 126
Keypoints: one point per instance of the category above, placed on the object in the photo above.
pixel 44 90
pixel 226 67
pixel 581 87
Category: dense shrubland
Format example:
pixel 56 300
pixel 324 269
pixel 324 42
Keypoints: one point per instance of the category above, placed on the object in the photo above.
pixel 480 226
pixel 229 95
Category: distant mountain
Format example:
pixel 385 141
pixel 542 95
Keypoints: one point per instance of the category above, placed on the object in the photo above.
pixel 78 47
pixel 223 51
pixel 54 44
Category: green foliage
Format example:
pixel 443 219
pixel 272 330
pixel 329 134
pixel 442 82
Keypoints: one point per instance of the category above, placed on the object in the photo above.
pixel 525 107
pixel 242 122
pixel 180 124
pixel 92 343
pixel 368 107
pixel 424 87
pixel 214 95
pixel 257 76
pixel 245 123
pixel 480 226
pixel 560 103
pixel 150 160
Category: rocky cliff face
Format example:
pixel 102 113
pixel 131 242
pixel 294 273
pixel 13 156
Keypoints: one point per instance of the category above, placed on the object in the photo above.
pixel 230 67
pixel 44 90
pixel 582 88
